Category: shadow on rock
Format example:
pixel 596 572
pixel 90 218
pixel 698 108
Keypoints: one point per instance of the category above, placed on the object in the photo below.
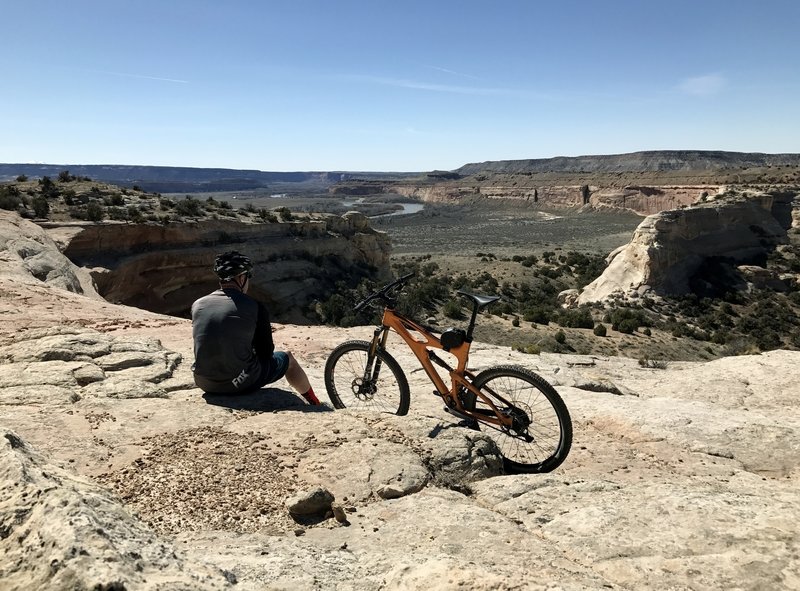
pixel 264 400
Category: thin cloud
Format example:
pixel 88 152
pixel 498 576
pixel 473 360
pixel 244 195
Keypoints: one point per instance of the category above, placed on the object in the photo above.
pixel 415 85
pixel 143 77
pixel 453 72
pixel 707 85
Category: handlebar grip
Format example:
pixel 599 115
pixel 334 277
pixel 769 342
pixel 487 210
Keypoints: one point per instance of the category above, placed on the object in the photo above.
pixel 382 292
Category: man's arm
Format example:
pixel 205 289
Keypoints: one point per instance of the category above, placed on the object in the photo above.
pixel 262 339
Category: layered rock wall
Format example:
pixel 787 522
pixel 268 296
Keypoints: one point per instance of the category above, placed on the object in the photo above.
pixel 165 268
pixel 644 200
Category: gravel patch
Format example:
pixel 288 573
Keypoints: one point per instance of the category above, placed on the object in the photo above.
pixel 207 478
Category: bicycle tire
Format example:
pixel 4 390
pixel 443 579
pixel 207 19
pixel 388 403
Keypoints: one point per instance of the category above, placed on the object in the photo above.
pixel 545 441
pixel 344 373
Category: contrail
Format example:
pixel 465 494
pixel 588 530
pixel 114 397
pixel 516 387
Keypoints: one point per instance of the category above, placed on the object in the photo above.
pixel 123 74
pixel 453 72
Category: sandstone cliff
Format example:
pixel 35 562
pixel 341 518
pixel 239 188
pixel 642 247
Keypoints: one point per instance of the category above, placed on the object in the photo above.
pixel 669 248
pixel 116 473
pixel 164 268
pixel 644 200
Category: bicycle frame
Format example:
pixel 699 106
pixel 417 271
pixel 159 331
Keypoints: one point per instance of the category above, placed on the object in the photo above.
pixel 461 377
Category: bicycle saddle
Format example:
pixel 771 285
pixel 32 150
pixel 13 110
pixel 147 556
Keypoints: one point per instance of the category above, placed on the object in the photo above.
pixel 481 300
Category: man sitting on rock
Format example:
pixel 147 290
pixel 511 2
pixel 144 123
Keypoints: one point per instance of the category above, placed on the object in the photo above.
pixel 233 348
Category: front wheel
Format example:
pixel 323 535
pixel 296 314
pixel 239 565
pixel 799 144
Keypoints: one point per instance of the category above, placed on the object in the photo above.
pixel 541 434
pixel 353 380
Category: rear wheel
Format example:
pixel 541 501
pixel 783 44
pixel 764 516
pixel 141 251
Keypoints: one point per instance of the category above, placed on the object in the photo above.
pixel 541 435
pixel 351 383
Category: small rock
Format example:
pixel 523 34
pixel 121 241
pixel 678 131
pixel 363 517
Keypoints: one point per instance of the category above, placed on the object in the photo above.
pixel 339 513
pixel 310 502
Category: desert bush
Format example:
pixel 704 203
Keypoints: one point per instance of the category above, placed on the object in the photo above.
pixel 69 197
pixel 428 269
pixel 537 314
pixel 22 178
pixel 41 208
pixel 600 330
pixel 335 310
pixel 530 349
pixel 94 212
pixel 739 346
pixel 65 177
pixel 626 320
pixel 560 337
pixel 266 215
pixel 135 215
pixel 452 309
pixel 115 199
pixel 117 213
pixel 10 198
pixel 189 207
pixel 575 318
pixel 48 188
pixel 515 322
pixel 649 363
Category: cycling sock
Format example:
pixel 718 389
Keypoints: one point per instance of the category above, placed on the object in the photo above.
pixel 311 397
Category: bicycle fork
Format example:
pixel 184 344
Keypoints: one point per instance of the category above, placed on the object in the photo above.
pixel 366 388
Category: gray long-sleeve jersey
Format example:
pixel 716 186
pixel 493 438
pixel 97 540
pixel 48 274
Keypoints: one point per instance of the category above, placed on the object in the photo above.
pixel 232 339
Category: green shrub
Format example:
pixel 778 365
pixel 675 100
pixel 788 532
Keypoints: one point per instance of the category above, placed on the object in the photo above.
pixel 266 215
pixel 452 309
pixel 135 215
pixel 94 212
pixel 626 320
pixel 560 337
pixel 40 206
pixel 189 207
pixel 600 330
pixel 22 178
pixel 537 314
pixel 10 198
pixel 575 318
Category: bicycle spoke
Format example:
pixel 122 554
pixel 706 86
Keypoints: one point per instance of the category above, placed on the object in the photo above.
pixel 540 434
pixel 351 384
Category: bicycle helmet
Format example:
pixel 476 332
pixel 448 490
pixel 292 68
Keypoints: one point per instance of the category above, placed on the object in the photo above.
pixel 231 264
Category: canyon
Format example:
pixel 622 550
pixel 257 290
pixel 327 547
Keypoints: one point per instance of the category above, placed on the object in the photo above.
pixel 117 473
pixel 164 268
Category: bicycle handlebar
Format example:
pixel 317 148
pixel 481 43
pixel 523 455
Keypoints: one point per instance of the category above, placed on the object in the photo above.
pixel 383 293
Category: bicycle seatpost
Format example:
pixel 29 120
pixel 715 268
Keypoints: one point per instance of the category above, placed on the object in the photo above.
pixel 471 326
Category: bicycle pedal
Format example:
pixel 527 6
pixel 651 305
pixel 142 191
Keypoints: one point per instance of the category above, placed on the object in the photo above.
pixel 455 413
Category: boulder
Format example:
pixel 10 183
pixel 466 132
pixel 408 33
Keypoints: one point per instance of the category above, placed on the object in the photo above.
pixel 669 247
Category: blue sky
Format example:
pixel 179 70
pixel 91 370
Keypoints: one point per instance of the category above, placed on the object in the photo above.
pixel 392 85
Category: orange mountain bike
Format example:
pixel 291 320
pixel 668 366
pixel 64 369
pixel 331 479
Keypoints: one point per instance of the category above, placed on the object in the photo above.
pixel 517 408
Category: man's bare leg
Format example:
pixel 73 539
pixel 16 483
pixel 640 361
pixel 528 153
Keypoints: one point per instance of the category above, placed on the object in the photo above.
pixel 298 380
